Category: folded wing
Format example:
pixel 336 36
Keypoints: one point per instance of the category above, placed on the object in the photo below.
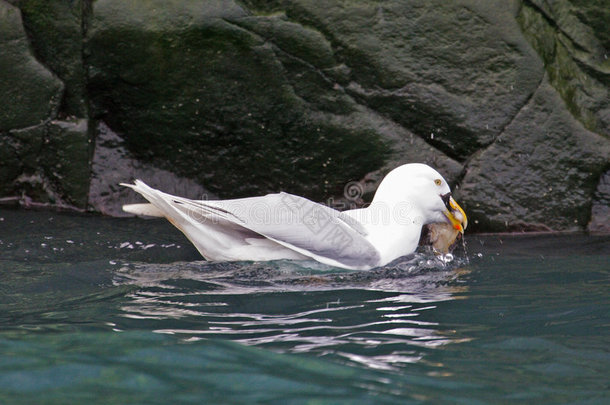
pixel 308 228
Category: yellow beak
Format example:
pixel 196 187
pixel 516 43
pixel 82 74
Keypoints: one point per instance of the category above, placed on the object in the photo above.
pixel 456 216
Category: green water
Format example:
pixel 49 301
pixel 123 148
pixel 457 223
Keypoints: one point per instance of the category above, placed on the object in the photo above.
pixel 98 310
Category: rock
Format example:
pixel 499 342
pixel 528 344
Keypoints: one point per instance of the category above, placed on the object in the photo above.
pixel 453 73
pixel 29 93
pixel 572 38
pixel 66 158
pixel 245 104
pixel 55 28
pixel 19 151
pixel 600 212
pixel 507 99
pixel 48 164
pixel 594 16
pixel 540 174
pixel 41 161
pixel 113 164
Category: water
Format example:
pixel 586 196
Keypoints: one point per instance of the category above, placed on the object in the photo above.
pixel 98 310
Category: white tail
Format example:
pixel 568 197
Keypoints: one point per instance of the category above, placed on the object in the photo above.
pixel 148 210
pixel 216 232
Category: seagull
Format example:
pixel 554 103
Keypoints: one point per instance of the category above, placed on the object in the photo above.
pixel 286 226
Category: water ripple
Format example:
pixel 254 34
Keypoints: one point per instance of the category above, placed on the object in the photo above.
pixel 236 301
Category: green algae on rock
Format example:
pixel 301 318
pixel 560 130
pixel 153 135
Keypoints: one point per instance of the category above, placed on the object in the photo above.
pixel 539 174
pixel 55 28
pixel 29 93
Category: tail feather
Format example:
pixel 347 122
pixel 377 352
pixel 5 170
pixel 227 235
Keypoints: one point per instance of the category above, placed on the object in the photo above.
pixel 147 210
pixel 217 232
pixel 176 210
pixel 161 203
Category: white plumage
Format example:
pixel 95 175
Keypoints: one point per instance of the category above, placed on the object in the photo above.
pixel 285 226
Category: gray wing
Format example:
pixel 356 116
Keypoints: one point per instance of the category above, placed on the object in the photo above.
pixel 298 223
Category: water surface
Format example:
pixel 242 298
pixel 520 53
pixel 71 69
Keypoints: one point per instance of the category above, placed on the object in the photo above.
pixel 102 310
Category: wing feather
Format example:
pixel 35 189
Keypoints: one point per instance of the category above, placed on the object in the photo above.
pixel 303 225
pixel 295 222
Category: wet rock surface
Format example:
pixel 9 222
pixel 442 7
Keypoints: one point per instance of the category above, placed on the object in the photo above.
pixel 29 92
pixel 113 164
pixel 55 31
pixel 509 100
pixel 600 212
pixel 539 174
pixel 572 39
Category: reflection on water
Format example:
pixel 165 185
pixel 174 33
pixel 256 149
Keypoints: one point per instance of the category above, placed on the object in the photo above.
pixel 322 310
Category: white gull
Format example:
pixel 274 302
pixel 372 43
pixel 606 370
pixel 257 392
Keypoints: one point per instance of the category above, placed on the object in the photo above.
pixel 286 226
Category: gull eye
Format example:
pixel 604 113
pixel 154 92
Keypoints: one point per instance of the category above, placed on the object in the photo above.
pixel 438 182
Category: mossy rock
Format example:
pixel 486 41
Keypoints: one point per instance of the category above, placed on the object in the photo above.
pixel 55 28
pixel 572 37
pixel 19 152
pixel 249 100
pixel 29 93
pixel 506 99
pixel 48 163
pixel 600 210
pixel 452 73
pixel 200 92
pixel 540 174
pixel 66 160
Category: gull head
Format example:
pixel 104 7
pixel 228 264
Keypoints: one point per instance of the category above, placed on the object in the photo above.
pixel 424 192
